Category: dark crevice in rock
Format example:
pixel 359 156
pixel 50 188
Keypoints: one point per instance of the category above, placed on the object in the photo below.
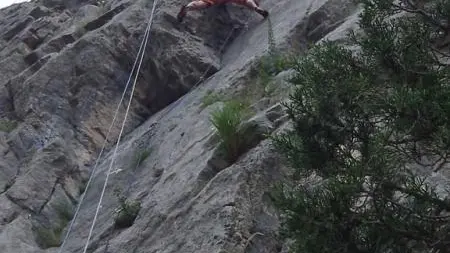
pixel 49 196
pixel 10 218
pixel 321 30
pixel 79 71
pixel 31 39
pixel 17 29
pixel 216 164
pixel 219 159
pixel 169 178
pixel 223 25
pixel 158 173
pixel 10 183
pixel 87 140
pixel 39 12
pixel 72 199
pixel 100 132
pixel 229 204
pixel 74 102
pixel 164 81
pixel 35 63
pixel 103 19
pixel 31 58
pixel 18 203
pixel 322 21
pixel 252 133
pixel 7 102
pixel 316 25
pixel 60 42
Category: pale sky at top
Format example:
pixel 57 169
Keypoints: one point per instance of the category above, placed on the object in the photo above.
pixel 4 3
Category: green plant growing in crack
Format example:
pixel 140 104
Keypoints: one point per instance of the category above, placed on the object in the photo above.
pixel 271 64
pixel 127 212
pixel 139 157
pixel 275 61
pixel 227 121
pixel 211 98
pixel 7 125
pixel 64 211
pixel 48 237
pixel 260 84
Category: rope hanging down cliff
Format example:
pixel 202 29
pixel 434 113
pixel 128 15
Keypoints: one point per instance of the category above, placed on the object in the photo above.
pixel 141 48
pixel 147 35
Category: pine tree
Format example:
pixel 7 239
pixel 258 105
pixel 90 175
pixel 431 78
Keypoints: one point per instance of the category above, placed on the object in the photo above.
pixel 361 122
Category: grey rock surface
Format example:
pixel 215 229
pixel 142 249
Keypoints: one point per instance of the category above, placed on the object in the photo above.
pixel 63 66
pixel 191 200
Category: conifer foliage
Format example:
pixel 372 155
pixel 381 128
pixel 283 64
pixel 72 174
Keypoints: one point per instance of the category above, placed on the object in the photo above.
pixel 361 122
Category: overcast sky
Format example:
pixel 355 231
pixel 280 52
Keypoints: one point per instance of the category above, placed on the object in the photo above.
pixel 4 3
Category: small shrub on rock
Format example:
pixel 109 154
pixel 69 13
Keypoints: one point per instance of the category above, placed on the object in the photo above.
pixel 48 237
pixel 139 157
pixel 65 211
pixel 127 212
pixel 7 125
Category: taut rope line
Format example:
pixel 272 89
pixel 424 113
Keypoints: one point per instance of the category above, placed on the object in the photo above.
pixel 141 49
pixel 102 150
pixel 123 125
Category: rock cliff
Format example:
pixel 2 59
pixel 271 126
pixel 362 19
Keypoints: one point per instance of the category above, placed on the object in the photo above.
pixel 63 67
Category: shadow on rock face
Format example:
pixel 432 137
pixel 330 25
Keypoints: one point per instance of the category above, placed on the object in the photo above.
pixel 218 26
pixel 61 4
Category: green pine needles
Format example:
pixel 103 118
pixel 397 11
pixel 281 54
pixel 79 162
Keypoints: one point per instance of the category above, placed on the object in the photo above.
pixel 361 123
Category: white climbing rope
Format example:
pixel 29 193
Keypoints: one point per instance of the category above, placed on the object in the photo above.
pixel 147 35
pixel 102 149
pixel 201 79
pixel 141 49
pixel 106 138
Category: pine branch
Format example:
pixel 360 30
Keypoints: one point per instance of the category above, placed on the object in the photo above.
pixel 416 10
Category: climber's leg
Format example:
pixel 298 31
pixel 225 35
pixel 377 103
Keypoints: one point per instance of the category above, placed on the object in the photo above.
pixel 194 5
pixel 253 5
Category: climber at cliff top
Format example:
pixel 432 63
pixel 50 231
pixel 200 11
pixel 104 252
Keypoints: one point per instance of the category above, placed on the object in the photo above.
pixel 203 4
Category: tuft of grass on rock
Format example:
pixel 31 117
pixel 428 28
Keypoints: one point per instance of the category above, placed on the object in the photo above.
pixel 227 121
pixel 139 157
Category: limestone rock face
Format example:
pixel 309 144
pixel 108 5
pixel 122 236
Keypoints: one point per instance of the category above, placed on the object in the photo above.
pixel 63 67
